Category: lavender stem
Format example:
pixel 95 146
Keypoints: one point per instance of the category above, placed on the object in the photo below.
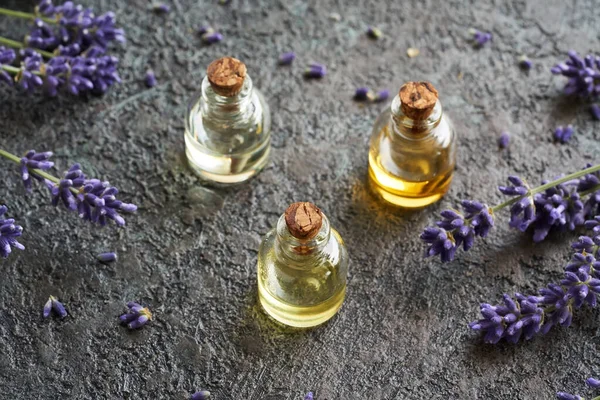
pixel 25 15
pixel 18 45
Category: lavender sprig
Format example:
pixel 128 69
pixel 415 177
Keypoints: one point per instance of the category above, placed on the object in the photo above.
pixel 554 206
pixel 94 200
pixel 136 317
pixel 9 232
pixel 583 74
pixel 529 316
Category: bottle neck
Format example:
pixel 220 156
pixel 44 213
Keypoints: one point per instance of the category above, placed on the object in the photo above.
pixel 234 108
pixel 301 253
pixel 410 128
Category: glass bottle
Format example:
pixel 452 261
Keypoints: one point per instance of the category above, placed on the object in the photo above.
pixel 228 125
pixel 413 149
pixel 302 268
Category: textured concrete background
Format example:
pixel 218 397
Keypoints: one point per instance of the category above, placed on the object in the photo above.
pixel 190 251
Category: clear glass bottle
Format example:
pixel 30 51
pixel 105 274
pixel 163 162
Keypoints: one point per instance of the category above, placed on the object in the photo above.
pixel 228 125
pixel 413 149
pixel 302 268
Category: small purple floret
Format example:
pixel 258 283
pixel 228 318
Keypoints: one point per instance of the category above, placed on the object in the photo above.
pixel 136 317
pixel 480 38
pixel 315 71
pixel 309 396
pixel 37 161
pixel 212 37
pixel 201 395
pixel 47 308
pixel 150 79
pixel 583 74
pixel 362 94
pixel 9 232
pixel 563 135
pixel 593 382
pixel 107 257
pixel 504 140
pixel 382 95
pixel 374 33
pixel 54 305
pixel 595 110
pixel 161 8
pixel 287 58
pixel 567 396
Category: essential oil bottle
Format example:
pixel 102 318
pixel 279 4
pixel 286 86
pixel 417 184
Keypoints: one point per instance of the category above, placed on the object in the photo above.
pixel 228 125
pixel 413 149
pixel 302 268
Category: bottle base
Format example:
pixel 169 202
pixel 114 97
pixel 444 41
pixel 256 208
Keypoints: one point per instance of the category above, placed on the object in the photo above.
pixel 300 316
pixel 404 199
pixel 245 173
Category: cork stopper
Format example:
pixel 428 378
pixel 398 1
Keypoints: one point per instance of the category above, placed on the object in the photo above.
pixel 418 99
pixel 226 76
pixel 303 220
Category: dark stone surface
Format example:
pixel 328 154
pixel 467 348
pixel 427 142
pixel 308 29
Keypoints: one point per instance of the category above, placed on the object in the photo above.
pixel 190 251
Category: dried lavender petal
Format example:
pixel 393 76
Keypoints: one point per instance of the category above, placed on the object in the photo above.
pixel 47 308
pixel 315 71
pixel 150 79
pixel 138 323
pixel 201 395
pixel 504 140
pixel 58 307
pixel 287 58
pixel 107 257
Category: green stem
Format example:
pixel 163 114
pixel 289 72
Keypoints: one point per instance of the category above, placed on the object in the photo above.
pixel 549 185
pixel 18 45
pixel 38 172
pixel 25 15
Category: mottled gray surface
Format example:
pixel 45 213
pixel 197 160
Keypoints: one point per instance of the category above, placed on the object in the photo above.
pixel 190 251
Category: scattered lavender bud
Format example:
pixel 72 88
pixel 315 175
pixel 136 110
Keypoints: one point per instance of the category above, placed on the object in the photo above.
pixel 212 37
pixel 504 140
pixel 374 33
pixel 204 29
pixel 161 8
pixel 480 38
pixel 9 232
pixel 287 58
pixel 107 257
pixel 583 74
pixel 309 396
pixel 567 396
pixel 595 109
pixel 382 95
pixel 525 62
pixel 563 135
pixel 150 79
pixel 57 306
pixel 593 382
pixel 315 71
pixel 201 395
pixel 136 317
pixel 362 94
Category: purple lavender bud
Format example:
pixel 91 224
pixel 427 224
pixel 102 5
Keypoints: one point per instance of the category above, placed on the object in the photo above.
pixel 374 33
pixel 563 135
pixel 382 95
pixel 309 396
pixel 58 307
pixel 204 30
pixel 504 140
pixel 138 323
pixel 201 395
pixel 132 304
pixel 567 396
pixel 161 8
pixel 212 37
pixel 525 63
pixel 107 257
pixel 582 74
pixel 315 71
pixel 48 308
pixel 150 79
pixel 128 317
pixel 480 38
pixel 593 382
pixel 595 110
pixel 362 94
pixel 287 58
pixel 9 234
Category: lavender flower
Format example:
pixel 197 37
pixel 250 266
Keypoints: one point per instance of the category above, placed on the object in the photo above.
pixel 201 395
pixel 57 306
pixel 41 36
pixel 480 38
pixel 593 382
pixel 315 70
pixel 456 229
pixel 37 161
pixel 211 37
pixel 567 396
pixel 94 200
pixel 309 396
pixel 554 305
pixel 106 258
pixel 583 74
pixel 28 76
pixel 522 212
pixel 504 140
pixel 161 8
pixel 150 79
pixel 7 56
pixel 287 58
pixel 563 135
pixel 136 317
pixel 45 8
pixel 9 232
pixel 525 62
pixel 363 94
pixel 374 33
pixel 594 224
pixel 595 110
pixel 381 96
